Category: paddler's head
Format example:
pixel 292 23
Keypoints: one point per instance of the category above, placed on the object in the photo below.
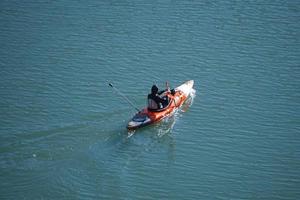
pixel 154 89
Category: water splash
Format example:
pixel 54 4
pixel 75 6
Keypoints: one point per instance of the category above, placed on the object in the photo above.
pixel 166 125
pixel 130 133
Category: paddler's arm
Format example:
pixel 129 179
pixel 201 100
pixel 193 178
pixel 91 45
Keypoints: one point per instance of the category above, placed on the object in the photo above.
pixel 161 92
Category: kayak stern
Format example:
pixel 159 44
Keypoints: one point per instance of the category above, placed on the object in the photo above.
pixel 139 120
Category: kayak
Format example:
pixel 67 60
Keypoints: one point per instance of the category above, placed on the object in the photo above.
pixel 176 99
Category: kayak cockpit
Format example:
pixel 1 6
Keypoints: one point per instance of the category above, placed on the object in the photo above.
pixel 161 109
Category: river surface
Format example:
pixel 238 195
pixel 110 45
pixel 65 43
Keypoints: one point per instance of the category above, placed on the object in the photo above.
pixel 63 129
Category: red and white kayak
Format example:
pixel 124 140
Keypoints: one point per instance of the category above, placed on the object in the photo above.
pixel 146 117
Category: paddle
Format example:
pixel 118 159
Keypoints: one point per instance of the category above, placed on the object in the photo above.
pixel 124 97
pixel 167 86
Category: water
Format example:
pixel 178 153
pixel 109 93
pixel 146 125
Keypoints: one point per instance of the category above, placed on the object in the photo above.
pixel 62 128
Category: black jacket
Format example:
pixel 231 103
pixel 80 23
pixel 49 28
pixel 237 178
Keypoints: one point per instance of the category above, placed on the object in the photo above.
pixel 160 101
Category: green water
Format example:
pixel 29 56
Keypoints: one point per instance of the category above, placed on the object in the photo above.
pixel 62 128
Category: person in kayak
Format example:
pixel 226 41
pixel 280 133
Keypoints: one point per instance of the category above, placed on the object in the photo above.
pixel 155 102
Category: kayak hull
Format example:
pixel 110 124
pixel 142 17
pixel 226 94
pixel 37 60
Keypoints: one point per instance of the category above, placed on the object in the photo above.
pixel 146 117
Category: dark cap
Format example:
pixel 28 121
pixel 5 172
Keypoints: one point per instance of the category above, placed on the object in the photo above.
pixel 154 89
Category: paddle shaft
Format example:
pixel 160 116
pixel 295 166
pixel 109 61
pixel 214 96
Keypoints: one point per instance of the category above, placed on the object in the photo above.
pixel 124 97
